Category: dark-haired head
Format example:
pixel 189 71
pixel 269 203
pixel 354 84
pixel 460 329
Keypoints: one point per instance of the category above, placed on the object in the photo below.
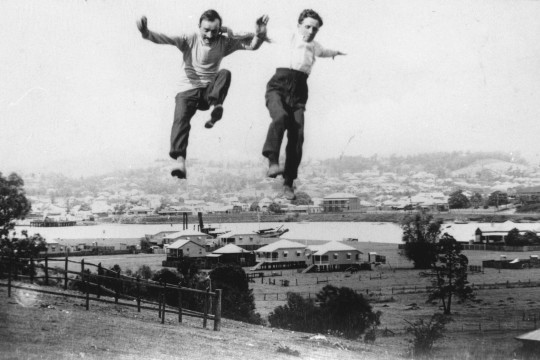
pixel 308 13
pixel 210 15
pixel 209 26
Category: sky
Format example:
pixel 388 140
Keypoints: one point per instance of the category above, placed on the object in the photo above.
pixel 82 93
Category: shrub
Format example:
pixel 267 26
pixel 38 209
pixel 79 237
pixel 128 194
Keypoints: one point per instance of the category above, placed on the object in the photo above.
pixel 340 311
pixel 426 333
pixel 237 301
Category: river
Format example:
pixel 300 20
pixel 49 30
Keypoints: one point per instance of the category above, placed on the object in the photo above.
pixel 363 231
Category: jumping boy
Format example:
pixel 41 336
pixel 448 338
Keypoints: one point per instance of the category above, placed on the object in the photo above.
pixel 286 97
pixel 202 84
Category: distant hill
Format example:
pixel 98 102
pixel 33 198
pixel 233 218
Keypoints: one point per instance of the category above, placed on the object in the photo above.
pixel 493 166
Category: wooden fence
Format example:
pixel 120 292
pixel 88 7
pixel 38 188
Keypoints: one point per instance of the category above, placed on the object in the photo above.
pixel 96 285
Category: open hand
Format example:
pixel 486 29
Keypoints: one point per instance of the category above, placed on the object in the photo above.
pixel 337 54
pixel 142 25
pixel 260 27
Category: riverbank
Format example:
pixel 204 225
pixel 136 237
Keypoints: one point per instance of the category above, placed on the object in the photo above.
pixel 349 216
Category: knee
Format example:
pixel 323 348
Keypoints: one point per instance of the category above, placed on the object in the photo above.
pixel 224 73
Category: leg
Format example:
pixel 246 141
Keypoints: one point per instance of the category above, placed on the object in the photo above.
pixel 215 95
pixel 295 142
pixel 186 105
pixel 280 116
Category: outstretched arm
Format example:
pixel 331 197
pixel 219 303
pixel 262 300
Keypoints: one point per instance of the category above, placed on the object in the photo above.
pixel 250 41
pixel 157 38
pixel 322 52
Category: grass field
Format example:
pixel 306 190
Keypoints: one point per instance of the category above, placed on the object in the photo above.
pixel 483 329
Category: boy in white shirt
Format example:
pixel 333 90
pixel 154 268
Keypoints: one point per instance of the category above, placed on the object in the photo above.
pixel 286 97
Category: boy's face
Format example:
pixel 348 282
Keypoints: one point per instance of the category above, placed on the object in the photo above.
pixel 308 29
pixel 209 30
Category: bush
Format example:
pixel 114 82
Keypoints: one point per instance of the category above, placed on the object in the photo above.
pixel 341 311
pixel 237 301
pixel 426 333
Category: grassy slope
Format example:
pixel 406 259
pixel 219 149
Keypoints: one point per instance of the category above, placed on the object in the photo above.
pixel 37 326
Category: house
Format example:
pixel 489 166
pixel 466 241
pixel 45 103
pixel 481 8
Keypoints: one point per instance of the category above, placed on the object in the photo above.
pixel 497 232
pixel 528 194
pixel 339 202
pixel 157 239
pixel 53 247
pixel 333 256
pixel 247 241
pixel 139 210
pixel 282 254
pixel 183 250
pixel 193 235
pixel 230 254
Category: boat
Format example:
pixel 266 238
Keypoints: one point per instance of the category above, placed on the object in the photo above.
pixel 212 231
pixel 271 232
pixel 461 221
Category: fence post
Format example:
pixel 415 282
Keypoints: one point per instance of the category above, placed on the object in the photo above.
pixel 159 303
pixel 164 300
pixel 205 309
pixel 66 272
pixel 31 269
pixel 82 269
pixel 100 273
pixel 180 302
pixel 87 294
pixel 9 275
pixel 217 307
pixel 138 293
pixel 46 270
pixel 116 292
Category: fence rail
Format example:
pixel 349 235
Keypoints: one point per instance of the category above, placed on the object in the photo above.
pixel 25 269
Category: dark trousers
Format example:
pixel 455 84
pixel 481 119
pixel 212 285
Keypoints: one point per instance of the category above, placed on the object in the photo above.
pixel 188 102
pixel 286 97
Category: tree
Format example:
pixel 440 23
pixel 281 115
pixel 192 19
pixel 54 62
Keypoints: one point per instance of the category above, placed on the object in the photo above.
pixel 302 198
pixel 476 200
pixel 497 198
pixel 298 314
pixel 420 233
pixel 254 206
pixel 344 310
pixel 513 238
pixel 450 270
pixel 238 302
pixel 13 202
pixel 275 208
pixel 13 206
pixel 457 200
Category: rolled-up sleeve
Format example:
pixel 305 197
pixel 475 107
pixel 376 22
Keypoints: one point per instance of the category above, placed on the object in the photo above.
pixel 320 51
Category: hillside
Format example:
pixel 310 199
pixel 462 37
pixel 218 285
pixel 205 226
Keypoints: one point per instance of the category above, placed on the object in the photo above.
pixel 493 166
pixel 40 326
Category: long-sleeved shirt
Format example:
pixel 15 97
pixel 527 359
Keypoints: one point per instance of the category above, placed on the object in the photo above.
pixel 201 62
pixel 297 54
